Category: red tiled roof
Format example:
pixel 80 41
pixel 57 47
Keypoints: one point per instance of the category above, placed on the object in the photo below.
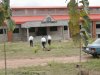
pixel 95 17
pixel 61 17
pixel 23 19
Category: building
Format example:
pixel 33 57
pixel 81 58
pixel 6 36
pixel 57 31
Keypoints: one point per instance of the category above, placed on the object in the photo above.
pixel 37 21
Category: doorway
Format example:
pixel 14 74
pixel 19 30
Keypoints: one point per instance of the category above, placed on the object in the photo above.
pixel 41 31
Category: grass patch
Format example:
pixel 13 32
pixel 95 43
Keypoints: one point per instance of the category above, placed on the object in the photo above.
pixel 54 68
pixel 23 50
pixel 50 69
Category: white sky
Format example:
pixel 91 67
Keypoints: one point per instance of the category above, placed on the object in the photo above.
pixel 28 3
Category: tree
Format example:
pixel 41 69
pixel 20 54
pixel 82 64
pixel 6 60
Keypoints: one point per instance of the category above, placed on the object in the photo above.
pixel 75 13
pixel 5 18
pixel 79 35
pixel 5 15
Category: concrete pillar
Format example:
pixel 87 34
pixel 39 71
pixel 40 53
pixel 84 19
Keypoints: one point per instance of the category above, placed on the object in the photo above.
pixel 27 33
pixel 48 32
pixel 94 29
pixel 63 33
pixel 68 33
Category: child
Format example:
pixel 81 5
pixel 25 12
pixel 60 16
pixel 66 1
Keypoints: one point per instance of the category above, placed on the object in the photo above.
pixel 31 41
pixel 49 39
pixel 43 41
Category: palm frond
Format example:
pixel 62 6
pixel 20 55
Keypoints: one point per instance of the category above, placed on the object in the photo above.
pixel 10 24
pixel 74 27
pixel 5 14
pixel 85 37
pixel 85 20
pixel 2 15
pixel 74 21
pixel 85 4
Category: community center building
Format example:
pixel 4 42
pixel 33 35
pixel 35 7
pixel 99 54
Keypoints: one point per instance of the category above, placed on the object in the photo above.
pixel 39 21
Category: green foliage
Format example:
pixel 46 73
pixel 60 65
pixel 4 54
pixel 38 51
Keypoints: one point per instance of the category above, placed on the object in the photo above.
pixel 2 15
pixel 85 4
pixel 85 20
pixel 85 38
pixel 74 26
pixel 10 24
pixel 6 4
pixel 1 18
pixel 5 14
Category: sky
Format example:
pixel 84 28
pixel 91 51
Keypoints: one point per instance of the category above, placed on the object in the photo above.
pixel 16 3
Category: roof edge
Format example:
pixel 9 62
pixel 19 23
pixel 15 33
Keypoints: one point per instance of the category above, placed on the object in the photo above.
pixel 44 7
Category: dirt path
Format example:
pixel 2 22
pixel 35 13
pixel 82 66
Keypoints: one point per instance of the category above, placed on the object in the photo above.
pixel 15 63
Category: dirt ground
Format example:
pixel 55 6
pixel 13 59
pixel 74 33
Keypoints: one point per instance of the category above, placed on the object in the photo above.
pixel 15 63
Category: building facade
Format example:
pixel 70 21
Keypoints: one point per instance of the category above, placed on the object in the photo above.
pixel 38 21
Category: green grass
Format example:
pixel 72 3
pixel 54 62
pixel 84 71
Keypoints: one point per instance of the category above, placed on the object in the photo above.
pixel 23 50
pixel 53 68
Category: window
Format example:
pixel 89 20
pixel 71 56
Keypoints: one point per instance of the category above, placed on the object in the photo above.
pixel 98 35
pixel 51 11
pixel 41 31
pixel 1 31
pixel 16 30
pixel 31 29
pixel 53 28
pixel 97 25
pixel 65 28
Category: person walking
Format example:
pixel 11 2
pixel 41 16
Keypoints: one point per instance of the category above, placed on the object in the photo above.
pixel 31 40
pixel 43 41
pixel 49 39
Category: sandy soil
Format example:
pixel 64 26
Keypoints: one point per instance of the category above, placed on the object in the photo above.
pixel 15 63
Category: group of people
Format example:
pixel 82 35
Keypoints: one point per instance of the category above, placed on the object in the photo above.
pixel 43 41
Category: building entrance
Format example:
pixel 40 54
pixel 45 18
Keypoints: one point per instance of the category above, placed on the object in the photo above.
pixel 41 31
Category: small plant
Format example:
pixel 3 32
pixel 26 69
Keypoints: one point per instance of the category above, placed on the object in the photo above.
pixel 36 48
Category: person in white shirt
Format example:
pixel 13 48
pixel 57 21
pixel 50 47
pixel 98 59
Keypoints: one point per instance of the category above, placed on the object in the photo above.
pixel 31 40
pixel 43 41
pixel 49 39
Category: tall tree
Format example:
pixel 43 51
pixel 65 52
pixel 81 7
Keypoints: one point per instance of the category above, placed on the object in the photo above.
pixel 78 34
pixel 75 13
pixel 5 18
